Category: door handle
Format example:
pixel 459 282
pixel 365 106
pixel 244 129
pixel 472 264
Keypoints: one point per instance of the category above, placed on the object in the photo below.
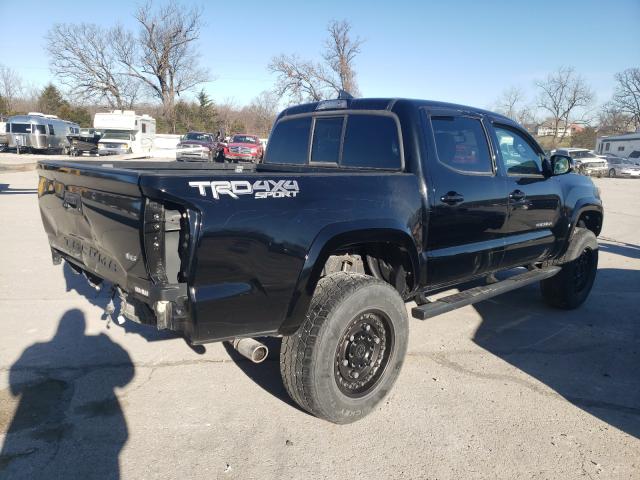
pixel 517 195
pixel 451 198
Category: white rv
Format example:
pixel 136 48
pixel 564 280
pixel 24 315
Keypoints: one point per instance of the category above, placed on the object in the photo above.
pixel 620 145
pixel 124 132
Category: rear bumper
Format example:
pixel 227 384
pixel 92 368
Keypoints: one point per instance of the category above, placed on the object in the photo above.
pixel 142 301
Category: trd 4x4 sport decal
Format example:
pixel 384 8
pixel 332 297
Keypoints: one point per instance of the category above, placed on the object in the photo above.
pixel 259 188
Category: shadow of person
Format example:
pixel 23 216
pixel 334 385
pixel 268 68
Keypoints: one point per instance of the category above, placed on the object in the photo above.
pixel 68 422
pixel 589 356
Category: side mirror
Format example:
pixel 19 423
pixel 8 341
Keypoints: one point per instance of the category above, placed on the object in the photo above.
pixel 560 164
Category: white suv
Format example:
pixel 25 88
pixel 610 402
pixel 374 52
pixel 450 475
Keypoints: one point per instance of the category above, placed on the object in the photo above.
pixel 585 161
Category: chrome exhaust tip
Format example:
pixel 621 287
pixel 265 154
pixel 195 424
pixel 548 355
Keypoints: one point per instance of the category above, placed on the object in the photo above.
pixel 250 348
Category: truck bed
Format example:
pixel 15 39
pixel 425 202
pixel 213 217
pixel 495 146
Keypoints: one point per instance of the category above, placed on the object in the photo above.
pixel 227 252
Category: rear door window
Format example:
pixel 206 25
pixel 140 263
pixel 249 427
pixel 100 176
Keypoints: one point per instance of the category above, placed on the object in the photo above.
pixel 461 144
pixel 327 135
pixel 371 141
pixel 289 142
pixel 39 129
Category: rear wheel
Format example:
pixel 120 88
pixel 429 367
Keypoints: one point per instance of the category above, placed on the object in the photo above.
pixel 612 173
pixel 571 286
pixel 349 350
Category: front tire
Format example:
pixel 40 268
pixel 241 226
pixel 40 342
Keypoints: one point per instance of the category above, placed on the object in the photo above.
pixel 612 173
pixel 569 288
pixel 349 350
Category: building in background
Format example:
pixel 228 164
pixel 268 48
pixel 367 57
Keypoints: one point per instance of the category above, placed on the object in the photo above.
pixel 564 130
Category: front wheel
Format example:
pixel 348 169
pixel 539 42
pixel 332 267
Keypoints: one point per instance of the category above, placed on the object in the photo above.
pixel 348 352
pixel 571 286
pixel 612 173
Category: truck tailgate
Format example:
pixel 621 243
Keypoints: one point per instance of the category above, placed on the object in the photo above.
pixel 93 216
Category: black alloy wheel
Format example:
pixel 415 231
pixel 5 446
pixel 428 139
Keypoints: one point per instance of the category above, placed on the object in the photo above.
pixel 363 353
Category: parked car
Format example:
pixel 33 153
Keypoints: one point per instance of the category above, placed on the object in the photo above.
pixel 243 147
pixel 622 167
pixel 198 147
pixel 584 161
pixel 86 141
pixel 635 157
pixel 359 206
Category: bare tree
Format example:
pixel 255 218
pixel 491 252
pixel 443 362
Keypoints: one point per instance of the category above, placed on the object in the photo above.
pixel 298 79
pixel 563 94
pixel 11 87
pixel 626 98
pixel 512 104
pixel 83 58
pixel 163 56
pixel 612 121
pixel 304 80
pixel 263 111
pixel 340 53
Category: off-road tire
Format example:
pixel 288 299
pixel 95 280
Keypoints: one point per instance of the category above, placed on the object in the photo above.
pixel 309 363
pixel 569 288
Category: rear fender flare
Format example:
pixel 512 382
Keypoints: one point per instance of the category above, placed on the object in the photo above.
pixel 330 239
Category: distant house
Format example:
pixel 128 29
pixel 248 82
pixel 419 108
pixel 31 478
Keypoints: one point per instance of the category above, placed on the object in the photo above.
pixel 564 130
pixel 620 145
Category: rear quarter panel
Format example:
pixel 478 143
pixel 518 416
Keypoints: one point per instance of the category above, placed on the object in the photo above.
pixel 250 252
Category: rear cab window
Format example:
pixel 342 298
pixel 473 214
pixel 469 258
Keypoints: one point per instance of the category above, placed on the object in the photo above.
pixel 371 141
pixel 345 140
pixel 289 142
pixel 327 136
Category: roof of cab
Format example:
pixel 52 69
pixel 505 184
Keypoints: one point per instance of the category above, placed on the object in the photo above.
pixel 388 104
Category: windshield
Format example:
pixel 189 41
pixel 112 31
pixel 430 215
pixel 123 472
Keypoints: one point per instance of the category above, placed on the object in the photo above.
pixel 243 139
pixel 583 154
pixel 198 137
pixel 117 135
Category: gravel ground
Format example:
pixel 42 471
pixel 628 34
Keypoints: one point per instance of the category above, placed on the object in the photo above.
pixel 506 389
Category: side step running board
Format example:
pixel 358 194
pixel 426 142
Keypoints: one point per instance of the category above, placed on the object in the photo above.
pixel 484 292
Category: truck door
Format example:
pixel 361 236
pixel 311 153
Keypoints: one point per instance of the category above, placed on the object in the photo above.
pixel 468 201
pixel 533 199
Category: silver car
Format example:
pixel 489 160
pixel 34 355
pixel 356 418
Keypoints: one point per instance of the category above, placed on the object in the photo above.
pixel 621 167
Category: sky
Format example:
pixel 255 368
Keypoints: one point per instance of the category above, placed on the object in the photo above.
pixel 460 51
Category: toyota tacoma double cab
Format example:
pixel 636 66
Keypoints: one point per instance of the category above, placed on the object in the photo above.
pixel 360 206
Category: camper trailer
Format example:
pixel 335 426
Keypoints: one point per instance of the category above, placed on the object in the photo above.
pixel 37 132
pixel 124 132
pixel 620 145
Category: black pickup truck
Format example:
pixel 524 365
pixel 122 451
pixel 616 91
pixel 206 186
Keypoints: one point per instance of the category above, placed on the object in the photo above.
pixel 360 206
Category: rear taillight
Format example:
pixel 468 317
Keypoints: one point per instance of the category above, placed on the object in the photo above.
pixel 166 241
pixel 154 244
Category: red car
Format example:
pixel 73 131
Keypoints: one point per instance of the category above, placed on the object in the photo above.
pixel 243 147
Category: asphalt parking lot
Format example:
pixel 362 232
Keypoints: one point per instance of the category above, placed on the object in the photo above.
pixel 506 389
